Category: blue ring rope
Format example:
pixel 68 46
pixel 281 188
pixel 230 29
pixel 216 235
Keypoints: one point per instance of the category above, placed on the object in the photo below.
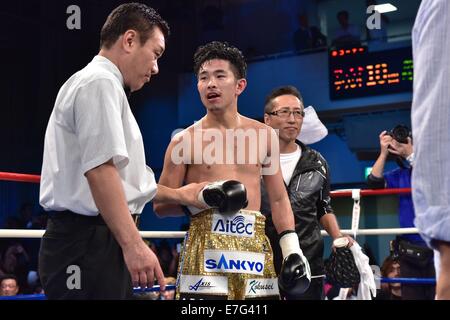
pixel 409 280
pixel 43 297
pixel 172 287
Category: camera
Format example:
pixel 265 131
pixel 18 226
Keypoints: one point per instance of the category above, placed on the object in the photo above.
pixel 400 133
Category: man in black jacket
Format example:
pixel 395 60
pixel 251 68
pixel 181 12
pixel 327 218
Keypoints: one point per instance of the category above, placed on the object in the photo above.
pixel 306 175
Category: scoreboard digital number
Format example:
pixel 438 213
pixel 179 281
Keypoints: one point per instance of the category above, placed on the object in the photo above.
pixel 356 73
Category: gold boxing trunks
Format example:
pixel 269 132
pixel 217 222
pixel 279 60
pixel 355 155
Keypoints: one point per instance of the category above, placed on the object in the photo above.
pixel 227 257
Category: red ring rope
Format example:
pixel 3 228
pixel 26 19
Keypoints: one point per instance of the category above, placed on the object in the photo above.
pixel 8 176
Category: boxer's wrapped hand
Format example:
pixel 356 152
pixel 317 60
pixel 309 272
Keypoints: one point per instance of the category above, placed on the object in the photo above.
pixel 295 275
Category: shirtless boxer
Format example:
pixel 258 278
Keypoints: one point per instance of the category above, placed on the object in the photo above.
pixel 226 253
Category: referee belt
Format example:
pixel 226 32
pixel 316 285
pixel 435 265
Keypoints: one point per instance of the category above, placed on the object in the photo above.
pixel 95 220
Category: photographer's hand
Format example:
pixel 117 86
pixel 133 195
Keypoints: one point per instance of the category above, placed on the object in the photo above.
pixel 403 150
pixel 378 166
pixel 385 142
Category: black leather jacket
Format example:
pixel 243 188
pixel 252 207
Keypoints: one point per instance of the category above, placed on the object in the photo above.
pixel 309 193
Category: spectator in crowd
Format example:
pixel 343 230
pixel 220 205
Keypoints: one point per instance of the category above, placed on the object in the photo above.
pixel 347 35
pixel 303 37
pixel 16 261
pixel 415 257
pixel 9 285
pixel 306 37
pixel 392 290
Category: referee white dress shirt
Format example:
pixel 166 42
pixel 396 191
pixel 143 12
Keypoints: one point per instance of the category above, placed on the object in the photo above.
pixel 92 123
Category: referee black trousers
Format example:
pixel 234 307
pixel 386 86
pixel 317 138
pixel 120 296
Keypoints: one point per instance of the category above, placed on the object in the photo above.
pixel 79 258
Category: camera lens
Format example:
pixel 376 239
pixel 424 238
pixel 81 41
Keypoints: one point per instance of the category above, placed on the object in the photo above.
pixel 401 133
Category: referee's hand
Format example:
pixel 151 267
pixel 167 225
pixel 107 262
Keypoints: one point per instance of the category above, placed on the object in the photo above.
pixel 144 266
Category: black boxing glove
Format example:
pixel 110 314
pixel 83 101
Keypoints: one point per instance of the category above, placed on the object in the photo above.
pixel 227 196
pixel 295 275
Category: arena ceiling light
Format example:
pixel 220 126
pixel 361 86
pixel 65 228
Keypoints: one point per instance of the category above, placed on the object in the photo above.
pixel 385 7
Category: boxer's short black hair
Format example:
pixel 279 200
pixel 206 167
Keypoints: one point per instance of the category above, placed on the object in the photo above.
pixel 222 51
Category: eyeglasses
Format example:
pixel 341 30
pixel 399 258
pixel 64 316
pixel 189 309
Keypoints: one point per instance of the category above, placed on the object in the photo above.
pixel 286 113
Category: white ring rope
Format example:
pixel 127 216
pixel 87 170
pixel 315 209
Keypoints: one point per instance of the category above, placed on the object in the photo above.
pixel 25 233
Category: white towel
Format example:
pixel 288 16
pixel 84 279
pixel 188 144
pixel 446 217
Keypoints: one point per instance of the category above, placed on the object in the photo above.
pixel 313 130
pixel 367 282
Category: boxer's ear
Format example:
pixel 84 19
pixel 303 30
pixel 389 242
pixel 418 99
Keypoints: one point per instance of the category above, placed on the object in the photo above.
pixel 240 86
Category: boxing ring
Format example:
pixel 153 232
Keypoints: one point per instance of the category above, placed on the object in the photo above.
pixel 355 194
